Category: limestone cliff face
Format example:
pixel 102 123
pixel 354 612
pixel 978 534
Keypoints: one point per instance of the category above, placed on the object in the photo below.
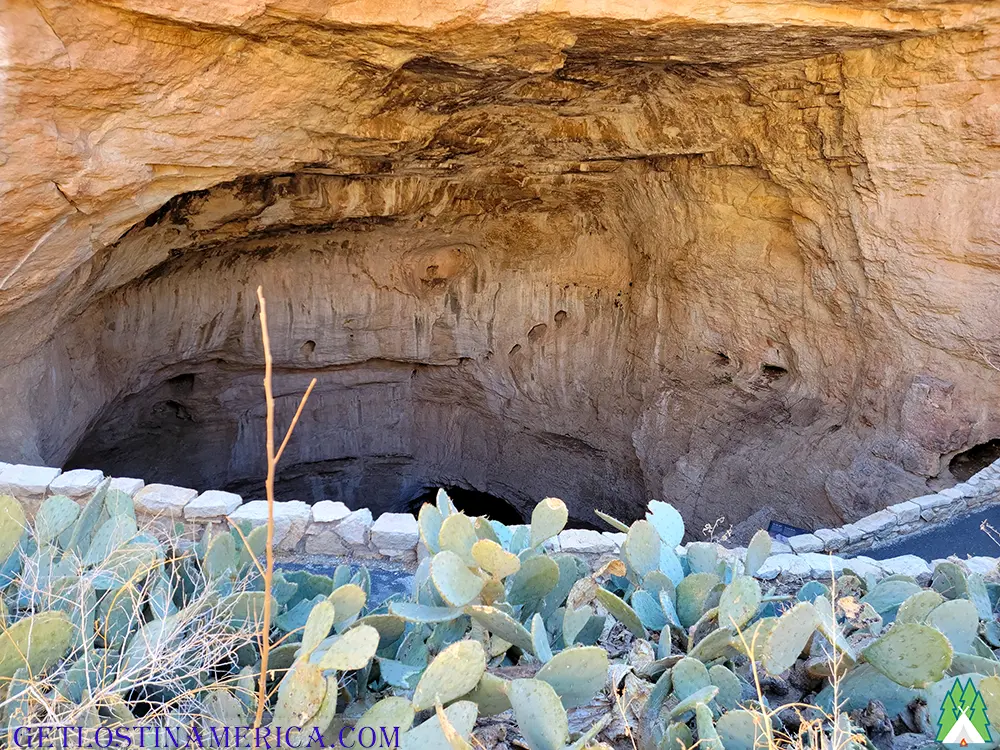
pixel 736 255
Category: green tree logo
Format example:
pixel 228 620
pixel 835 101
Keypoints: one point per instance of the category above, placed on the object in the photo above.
pixel 963 717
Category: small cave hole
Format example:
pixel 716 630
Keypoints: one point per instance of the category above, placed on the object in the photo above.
pixel 722 358
pixel 473 503
pixel 182 383
pixel 974 460
pixel 514 349
pixel 537 332
pixel 308 348
pixel 561 316
pixel 773 372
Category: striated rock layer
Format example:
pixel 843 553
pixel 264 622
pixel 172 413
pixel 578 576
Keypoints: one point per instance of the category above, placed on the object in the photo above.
pixel 742 256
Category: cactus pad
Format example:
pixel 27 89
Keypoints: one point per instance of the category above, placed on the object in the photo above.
pixel 689 676
pixel 494 559
pixel 693 595
pixel 12 525
pixel 789 637
pixel 491 695
pixel 739 602
pixel 917 606
pixel 540 716
pixel 452 578
pixel 430 736
pixel 548 519
pixel 35 642
pixel 667 521
pixel 352 650
pixel 502 625
pixel 536 578
pixel 958 620
pixel 55 516
pixel 576 674
pixel 911 654
pixel 429 522
pixel 738 731
pixel 641 549
pixel 621 612
pixel 453 673
pixel 458 534
pixel 348 601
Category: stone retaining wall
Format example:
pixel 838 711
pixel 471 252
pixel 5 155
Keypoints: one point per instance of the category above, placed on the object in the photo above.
pixel 331 529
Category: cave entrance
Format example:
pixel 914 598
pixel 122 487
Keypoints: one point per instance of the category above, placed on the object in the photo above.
pixel 473 502
pixel 967 463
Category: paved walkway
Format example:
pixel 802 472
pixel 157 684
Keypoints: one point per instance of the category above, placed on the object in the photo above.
pixel 960 536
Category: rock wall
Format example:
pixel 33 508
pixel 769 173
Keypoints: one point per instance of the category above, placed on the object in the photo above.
pixel 742 257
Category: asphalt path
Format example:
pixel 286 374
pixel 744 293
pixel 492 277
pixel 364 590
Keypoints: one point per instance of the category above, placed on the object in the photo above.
pixel 960 536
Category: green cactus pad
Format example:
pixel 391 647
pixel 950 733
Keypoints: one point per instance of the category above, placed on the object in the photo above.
pixel 706 695
pixel 300 695
pixel 669 608
pixel 90 518
pixel 708 738
pixel 758 551
pixel 979 595
pixel 789 637
pixel 715 645
pixel 689 676
pixel 458 534
pixel 536 578
pixel 429 522
pixel 389 712
pixel 621 612
pixel 917 606
pixel 969 663
pixel 352 650
pixel 641 549
pixel 540 716
pixel 548 519
pixel 12 525
pixel 657 581
pixel 55 516
pixel 574 621
pixel 220 558
pixel 958 620
pixel 886 597
pixel 452 674
pixel 863 684
pixel 667 521
pixel 827 625
pixel 576 674
pixel 612 522
pixel 738 730
pixel 112 534
pixel 540 639
pixel 730 687
pixel 348 601
pixel 502 625
pixel 452 578
pixel 430 736
pixel 702 557
pixel 494 559
pixel 812 589
pixel 911 654
pixel 677 737
pixel 739 602
pixel 35 642
pixel 950 580
pixel 318 626
pixel 413 612
pixel 648 610
pixel 693 596
pixel 491 695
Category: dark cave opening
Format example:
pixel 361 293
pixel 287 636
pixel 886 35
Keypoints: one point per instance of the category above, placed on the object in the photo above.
pixel 975 459
pixel 473 503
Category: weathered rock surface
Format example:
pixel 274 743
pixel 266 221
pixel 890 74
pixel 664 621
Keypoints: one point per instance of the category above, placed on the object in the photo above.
pixel 732 255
